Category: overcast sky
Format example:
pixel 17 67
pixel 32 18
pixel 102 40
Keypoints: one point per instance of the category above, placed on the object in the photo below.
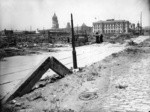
pixel 21 14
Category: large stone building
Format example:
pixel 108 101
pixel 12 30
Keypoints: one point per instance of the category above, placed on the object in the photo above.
pixel 111 26
pixel 55 24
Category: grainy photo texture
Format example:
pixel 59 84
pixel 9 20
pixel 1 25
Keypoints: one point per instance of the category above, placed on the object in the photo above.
pixel 74 55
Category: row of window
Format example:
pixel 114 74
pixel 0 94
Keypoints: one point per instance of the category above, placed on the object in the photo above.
pixel 111 31
pixel 114 28
pixel 109 26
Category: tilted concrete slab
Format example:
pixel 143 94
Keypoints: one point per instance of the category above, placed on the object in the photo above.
pixel 29 81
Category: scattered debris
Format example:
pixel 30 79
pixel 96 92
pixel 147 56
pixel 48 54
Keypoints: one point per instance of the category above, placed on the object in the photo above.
pixel 134 51
pixel 131 43
pixel 12 101
pixel 44 99
pixel 90 78
pixel 115 55
pixel 55 110
pixel 40 84
pixel 121 86
pixel 18 104
pixel 8 108
pixel 66 85
pixel 34 96
pixel 113 37
pixel 112 42
pixel 94 72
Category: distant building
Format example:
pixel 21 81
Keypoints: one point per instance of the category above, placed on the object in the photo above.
pixel 138 29
pixel 68 25
pixel 146 30
pixel 58 36
pixel 111 26
pixel 83 29
pixel 8 32
pixel 63 35
pixel 55 24
pixel 132 26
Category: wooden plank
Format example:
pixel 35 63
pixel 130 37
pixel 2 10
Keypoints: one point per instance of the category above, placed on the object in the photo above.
pixel 29 81
pixel 58 67
pixel 34 76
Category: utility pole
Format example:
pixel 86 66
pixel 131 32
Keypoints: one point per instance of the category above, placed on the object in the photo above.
pixel 141 23
pixel 138 26
pixel 73 45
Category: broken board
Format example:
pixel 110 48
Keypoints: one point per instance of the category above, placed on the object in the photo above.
pixel 29 81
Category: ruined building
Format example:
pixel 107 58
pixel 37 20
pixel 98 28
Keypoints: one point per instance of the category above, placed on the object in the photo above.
pixel 55 24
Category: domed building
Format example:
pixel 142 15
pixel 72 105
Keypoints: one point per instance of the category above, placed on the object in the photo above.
pixel 55 24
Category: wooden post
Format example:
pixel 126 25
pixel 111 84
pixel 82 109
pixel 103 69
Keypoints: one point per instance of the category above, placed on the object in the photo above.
pixel 58 67
pixel 73 46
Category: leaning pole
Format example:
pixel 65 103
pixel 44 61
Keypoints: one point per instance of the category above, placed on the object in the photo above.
pixel 73 45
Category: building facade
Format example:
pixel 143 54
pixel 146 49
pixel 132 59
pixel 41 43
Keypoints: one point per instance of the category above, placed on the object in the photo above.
pixel 111 26
pixel 138 29
pixel 132 26
pixel 55 24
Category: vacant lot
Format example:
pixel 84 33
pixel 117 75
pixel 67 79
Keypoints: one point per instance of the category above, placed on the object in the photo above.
pixel 118 83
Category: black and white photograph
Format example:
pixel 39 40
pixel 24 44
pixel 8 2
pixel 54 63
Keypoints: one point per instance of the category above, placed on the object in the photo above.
pixel 74 55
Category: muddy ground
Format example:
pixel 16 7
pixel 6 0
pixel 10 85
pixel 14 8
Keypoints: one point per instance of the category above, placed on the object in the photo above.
pixel 21 51
pixel 47 47
pixel 119 83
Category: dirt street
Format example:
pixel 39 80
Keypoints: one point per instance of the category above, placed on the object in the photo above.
pixel 119 83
